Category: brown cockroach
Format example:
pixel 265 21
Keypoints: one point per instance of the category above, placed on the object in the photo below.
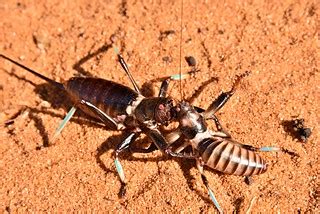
pixel 118 107
pixel 214 149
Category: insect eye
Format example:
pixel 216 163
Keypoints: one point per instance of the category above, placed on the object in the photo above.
pixel 161 107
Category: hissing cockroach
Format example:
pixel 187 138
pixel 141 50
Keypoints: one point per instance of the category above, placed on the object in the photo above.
pixel 214 149
pixel 117 106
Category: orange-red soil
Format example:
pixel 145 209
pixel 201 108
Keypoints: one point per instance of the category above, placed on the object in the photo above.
pixel 278 41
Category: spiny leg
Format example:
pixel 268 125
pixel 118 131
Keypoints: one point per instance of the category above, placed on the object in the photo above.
pixel 222 131
pixel 180 154
pixel 63 123
pixel 126 69
pixel 219 102
pixel 121 148
pixel 206 183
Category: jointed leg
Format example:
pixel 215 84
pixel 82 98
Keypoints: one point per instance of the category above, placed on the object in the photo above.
pixel 262 149
pixel 126 69
pixel 164 87
pixel 218 103
pixel 257 149
pixel 151 148
pixel 206 183
pixel 223 97
pixel 103 116
pixel 121 148
pixel 220 128
pixel 63 123
pixel 163 145
pixel 179 154
pixel 165 83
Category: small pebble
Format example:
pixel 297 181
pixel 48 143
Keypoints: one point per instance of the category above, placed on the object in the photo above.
pixel 191 60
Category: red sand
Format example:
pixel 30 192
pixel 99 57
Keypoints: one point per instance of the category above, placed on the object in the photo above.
pixel 278 42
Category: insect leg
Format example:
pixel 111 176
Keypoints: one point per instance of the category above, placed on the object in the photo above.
pixel 173 136
pixel 103 116
pixel 198 109
pixel 223 98
pixel 164 87
pixel 120 148
pixel 257 149
pixel 161 143
pixel 220 128
pixel 218 103
pixel 206 183
pixel 157 138
pixel 182 154
pixel 57 84
pixel 165 83
pixel 183 76
pixel 126 69
pixel 222 132
pixel 172 139
pixel 151 148
pixel 262 149
pixel 63 123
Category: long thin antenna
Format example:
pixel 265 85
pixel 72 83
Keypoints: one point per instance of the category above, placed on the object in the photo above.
pixel 181 92
pixel 57 84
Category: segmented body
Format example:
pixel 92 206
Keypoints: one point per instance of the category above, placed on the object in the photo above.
pixel 216 149
pixel 110 97
pixel 229 158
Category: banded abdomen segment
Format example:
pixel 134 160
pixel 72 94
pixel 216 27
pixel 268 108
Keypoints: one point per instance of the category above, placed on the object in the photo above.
pixel 229 158
pixel 108 96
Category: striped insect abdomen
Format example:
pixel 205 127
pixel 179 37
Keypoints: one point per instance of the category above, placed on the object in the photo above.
pixel 229 158
pixel 110 97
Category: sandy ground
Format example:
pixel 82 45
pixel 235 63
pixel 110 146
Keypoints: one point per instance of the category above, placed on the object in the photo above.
pixel 278 42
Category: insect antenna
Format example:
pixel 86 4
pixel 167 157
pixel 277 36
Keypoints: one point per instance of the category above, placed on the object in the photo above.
pixel 180 51
pixel 57 84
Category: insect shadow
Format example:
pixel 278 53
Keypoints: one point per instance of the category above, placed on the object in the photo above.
pixel 58 99
pixel 78 65
pixel 109 144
